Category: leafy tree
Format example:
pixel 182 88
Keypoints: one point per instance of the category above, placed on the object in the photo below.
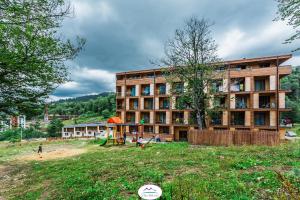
pixel 192 55
pixel 32 52
pixel 54 128
pixel 292 83
pixel 289 10
pixel 106 113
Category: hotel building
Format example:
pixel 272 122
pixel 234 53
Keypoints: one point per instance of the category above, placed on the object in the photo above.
pixel 249 95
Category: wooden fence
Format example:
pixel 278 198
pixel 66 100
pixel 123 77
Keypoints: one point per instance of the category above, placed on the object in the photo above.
pixel 226 137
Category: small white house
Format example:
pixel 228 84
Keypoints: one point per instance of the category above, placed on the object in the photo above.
pixel 85 130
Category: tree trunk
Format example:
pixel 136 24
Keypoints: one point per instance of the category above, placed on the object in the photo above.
pixel 199 120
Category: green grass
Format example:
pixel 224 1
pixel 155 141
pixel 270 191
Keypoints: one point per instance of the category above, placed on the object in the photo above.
pixel 116 172
pixel 296 129
pixel 84 119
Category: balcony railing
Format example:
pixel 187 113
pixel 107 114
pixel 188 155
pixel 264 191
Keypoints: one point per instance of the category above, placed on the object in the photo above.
pixel 216 121
pixel 238 122
pixel 145 93
pixel 164 106
pixel 119 107
pixel 146 120
pixel 148 107
pixel 237 88
pixel 267 105
pixel 178 120
pixel 160 121
pixel 131 93
pixel 241 105
pixel 130 120
pixel 134 107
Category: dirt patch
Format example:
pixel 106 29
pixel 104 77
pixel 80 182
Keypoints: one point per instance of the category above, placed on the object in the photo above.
pixel 52 154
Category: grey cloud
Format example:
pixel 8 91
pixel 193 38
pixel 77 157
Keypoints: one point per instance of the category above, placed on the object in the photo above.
pixel 127 34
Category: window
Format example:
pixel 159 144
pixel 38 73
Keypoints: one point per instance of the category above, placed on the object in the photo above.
pixel 241 102
pixel 238 118
pixel 148 129
pixel 264 101
pixel 260 85
pixel 66 134
pixel 164 129
pixel 162 89
pixel 216 118
pixel 260 119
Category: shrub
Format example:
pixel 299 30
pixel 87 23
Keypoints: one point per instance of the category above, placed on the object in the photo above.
pixel 54 128
pixel 14 135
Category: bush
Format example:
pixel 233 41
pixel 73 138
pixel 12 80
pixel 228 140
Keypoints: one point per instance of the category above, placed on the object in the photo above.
pixel 14 135
pixel 106 113
pixel 10 135
pixel 54 128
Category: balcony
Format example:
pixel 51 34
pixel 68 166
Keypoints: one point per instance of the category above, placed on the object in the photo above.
pixel 216 119
pixel 130 117
pixel 131 91
pixel 261 118
pixel 267 101
pixel 237 85
pixel 160 118
pixel 119 91
pixel 120 104
pixel 242 101
pixel 161 89
pixel 164 130
pixel 148 103
pixel 148 129
pixel 237 118
pixel 217 86
pixel 133 104
pixel 164 103
pixel 178 88
pixel 220 102
pixel 178 118
pixel 261 83
pixel 145 90
pixel 146 117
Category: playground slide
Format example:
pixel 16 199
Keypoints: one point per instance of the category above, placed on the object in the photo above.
pixel 104 142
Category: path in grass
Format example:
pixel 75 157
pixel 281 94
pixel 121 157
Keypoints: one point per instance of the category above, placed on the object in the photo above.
pixel 183 171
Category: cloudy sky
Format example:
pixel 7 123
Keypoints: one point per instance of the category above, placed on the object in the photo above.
pixel 125 34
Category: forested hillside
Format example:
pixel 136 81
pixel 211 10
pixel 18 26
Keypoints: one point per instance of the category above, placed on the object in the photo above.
pixel 101 105
pixel 292 83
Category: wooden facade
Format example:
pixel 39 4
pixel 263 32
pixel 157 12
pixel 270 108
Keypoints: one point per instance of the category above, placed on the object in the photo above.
pixel 248 90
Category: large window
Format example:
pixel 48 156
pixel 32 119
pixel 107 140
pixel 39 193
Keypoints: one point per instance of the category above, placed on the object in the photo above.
pixel 260 85
pixel 237 118
pixel 260 118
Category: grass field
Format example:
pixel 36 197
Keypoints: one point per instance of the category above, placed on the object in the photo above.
pixel 116 172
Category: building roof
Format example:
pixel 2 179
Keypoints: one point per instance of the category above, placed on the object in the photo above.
pixel 84 125
pixel 281 59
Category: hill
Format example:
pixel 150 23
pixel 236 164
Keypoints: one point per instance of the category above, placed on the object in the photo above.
pixel 85 98
pixel 100 106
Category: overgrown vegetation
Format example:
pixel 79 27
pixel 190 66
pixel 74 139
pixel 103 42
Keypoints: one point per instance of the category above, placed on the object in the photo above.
pixel 14 135
pixel 183 172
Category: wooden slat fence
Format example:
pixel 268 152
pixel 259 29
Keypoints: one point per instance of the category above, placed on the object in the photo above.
pixel 227 138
